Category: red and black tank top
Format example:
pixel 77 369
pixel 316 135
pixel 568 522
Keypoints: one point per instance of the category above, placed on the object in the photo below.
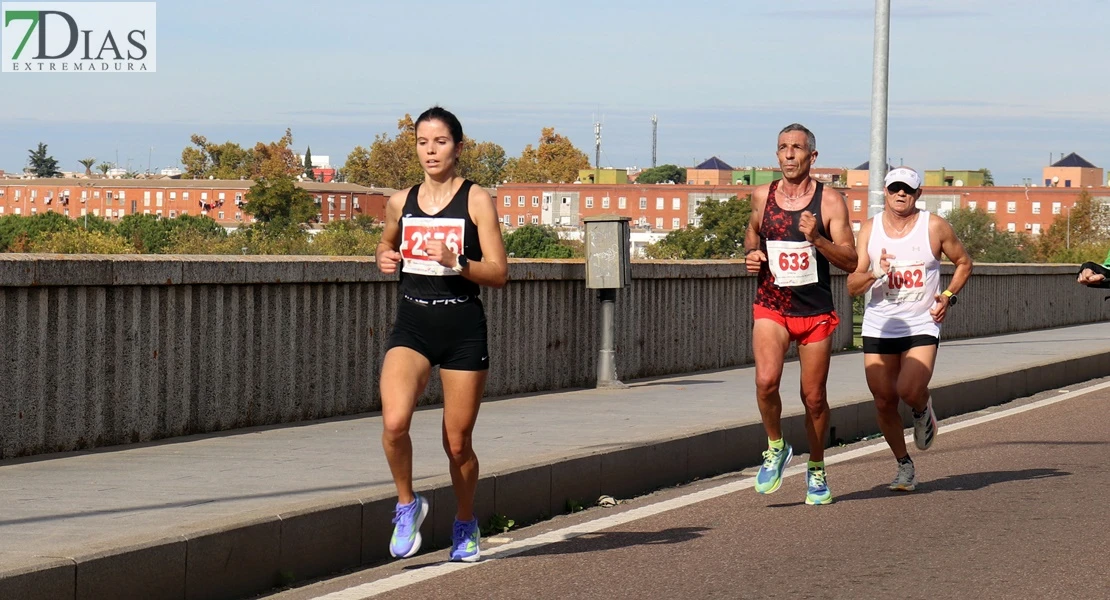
pixel 795 279
pixel 425 279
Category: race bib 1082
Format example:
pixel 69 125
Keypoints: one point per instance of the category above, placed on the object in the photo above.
pixel 416 232
pixel 905 282
pixel 792 263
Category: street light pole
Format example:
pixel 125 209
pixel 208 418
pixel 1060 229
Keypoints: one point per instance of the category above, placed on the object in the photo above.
pixel 879 87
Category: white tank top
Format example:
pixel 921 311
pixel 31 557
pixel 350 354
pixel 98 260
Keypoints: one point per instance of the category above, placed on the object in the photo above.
pixel 900 306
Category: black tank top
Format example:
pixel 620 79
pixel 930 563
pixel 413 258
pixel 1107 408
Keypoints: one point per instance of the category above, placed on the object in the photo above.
pixel 424 279
pixel 782 225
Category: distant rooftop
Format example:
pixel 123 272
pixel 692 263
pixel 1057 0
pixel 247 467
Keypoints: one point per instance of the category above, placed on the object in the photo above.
pixel 1074 160
pixel 714 164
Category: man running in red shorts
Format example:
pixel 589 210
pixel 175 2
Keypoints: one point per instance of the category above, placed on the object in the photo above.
pixel 797 228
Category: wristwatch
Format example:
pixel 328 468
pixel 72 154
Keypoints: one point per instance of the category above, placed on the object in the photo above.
pixel 460 263
pixel 952 298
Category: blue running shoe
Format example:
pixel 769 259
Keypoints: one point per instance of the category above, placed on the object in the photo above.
pixel 817 488
pixel 406 531
pixel 769 478
pixel 464 541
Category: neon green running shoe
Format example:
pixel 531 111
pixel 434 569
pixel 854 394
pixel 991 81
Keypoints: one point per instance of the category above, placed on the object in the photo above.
pixel 769 478
pixel 817 488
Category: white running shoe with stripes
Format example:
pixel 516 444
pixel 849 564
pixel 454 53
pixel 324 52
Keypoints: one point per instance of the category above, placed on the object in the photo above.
pixel 905 480
pixel 924 427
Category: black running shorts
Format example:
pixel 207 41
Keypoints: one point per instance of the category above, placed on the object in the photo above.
pixel 874 345
pixel 449 334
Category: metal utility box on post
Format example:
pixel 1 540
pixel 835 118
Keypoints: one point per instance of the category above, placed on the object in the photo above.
pixel 608 268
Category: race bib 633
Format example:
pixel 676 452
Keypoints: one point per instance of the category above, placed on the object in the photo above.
pixel 792 263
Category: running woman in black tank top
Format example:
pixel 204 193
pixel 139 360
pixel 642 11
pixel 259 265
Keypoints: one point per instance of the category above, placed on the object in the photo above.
pixel 797 229
pixel 444 238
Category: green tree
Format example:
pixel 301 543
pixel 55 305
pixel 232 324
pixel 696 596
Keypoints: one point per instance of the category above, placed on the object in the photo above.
pixel 719 234
pixel 347 238
pixel 203 224
pixel 482 162
pixel 276 159
pixel 984 242
pixel 199 235
pixel 19 233
pixel 555 159
pixel 220 161
pixel 146 233
pixel 975 228
pixel 308 165
pixel 1010 248
pixel 95 223
pixel 662 174
pixel 87 163
pixel 1078 231
pixel 988 179
pixel 279 203
pixel 80 241
pixel 104 168
pixel 393 162
pixel 42 164
pixel 357 168
pixel 271 238
pixel 536 241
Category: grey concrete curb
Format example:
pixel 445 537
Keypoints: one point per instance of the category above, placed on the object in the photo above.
pixel 256 552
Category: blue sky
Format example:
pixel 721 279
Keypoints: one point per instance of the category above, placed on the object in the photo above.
pixel 973 83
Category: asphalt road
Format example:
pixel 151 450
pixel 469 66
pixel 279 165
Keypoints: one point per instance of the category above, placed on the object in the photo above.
pixel 1008 505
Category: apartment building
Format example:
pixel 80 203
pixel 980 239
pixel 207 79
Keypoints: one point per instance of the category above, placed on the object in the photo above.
pixel 222 200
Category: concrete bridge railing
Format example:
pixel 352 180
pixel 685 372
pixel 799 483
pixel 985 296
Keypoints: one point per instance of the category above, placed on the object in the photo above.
pixel 103 350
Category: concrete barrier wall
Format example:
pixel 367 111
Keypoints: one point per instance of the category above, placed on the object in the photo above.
pixel 111 350
pixel 1010 298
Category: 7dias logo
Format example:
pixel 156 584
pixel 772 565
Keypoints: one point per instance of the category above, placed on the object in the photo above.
pixel 98 37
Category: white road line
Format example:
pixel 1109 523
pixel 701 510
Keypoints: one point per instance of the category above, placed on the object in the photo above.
pixel 368 590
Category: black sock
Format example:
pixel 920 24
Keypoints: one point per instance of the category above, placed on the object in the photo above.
pixel 905 460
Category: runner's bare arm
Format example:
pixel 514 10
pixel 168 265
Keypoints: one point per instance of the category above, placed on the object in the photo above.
pixel 952 248
pixel 940 229
pixel 863 278
pixel 493 269
pixel 841 249
pixel 387 255
pixel 753 256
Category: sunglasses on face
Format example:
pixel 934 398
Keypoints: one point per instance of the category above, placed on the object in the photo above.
pixel 898 186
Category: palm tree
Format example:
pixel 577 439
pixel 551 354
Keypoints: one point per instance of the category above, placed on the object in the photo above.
pixel 87 163
pixel 103 168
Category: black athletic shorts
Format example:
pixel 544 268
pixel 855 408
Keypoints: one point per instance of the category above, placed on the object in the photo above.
pixel 874 345
pixel 451 334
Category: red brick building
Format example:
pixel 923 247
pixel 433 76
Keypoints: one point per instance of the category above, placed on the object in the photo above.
pixel 221 200
pixel 656 207
pixel 1018 209
pixel 666 207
